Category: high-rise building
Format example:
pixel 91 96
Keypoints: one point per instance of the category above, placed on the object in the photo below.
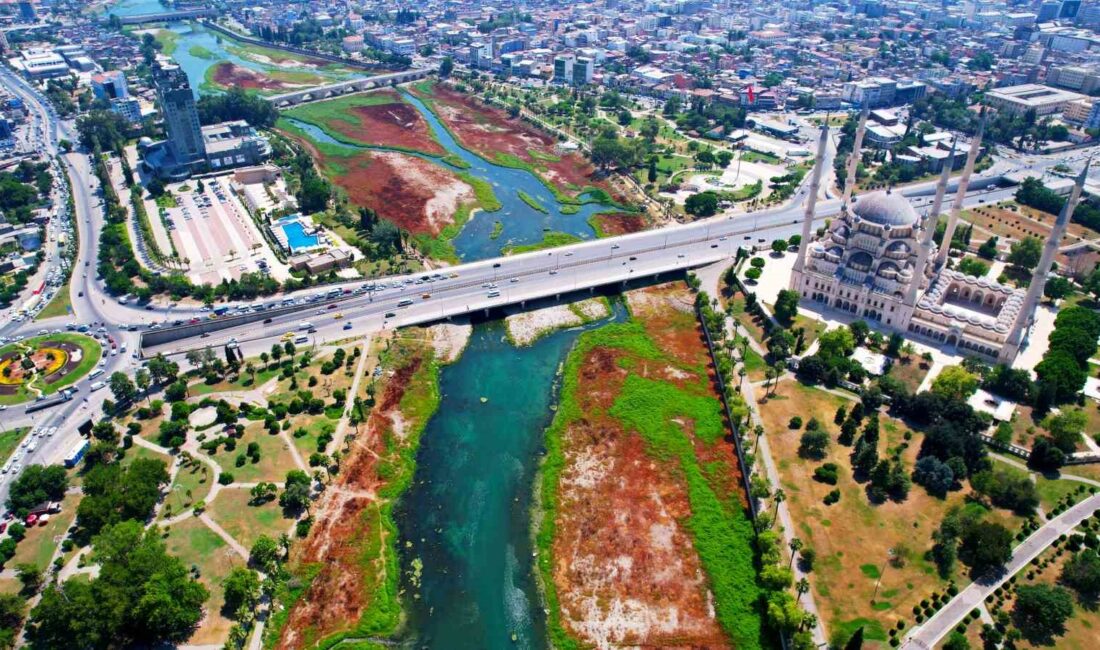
pixel 27 12
pixel 181 117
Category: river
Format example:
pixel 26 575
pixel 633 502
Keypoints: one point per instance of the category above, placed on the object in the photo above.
pixel 521 223
pixel 467 516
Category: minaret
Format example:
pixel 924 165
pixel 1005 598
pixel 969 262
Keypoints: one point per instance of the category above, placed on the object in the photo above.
pixel 811 202
pixel 960 194
pixel 1042 272
pixel 929 225
pixel 853 160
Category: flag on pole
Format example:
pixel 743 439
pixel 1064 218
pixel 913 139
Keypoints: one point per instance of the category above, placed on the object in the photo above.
pixel 752 96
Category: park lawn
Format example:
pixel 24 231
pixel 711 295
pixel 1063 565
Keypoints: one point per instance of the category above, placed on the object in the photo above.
pixel 38 546
pixel 9 440
pixel 243 381
pixel 755 365
pixel 136 452
pixel 745 320
pixel 1052 491
pixel 10 585
pixel 910 371
pixel 315 426
pixel 853 538
pixel 275 457
pixel 247 522
pixel 191 484
pixel 199 547
pixel 61 305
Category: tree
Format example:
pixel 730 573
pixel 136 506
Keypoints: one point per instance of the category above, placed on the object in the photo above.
pixel 779 246
pixel 1041 612
pixel 237 104
pixel 122 389
pixel 113 493
pixel 142 597
pixel 781 344
pixel 296 492
pixel 1082 574
pixel 786 306
pixel 956 642
pixel 936 477
pixel 1025 253
pixel 607 152
pixel 985 546
pixel 702 204
pixel 836 342
pixel 30 576
pixel 446 67
pixel 265 554
pixel 1057 288
pixel 1066 428
pixel 242 591
pixel 1045 455
pixel 36 485
pixel 954 382
pixel 813 444
pixel 1007 490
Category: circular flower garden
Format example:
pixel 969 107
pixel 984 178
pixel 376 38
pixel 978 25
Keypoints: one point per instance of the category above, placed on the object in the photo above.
pixel 43 365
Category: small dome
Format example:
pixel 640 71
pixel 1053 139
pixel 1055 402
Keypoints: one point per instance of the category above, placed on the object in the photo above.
pixel 898 247
pixel 860 261
pixel 886 209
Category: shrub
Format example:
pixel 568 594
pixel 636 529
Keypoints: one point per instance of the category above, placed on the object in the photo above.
pixel 832 497
pixel 795 423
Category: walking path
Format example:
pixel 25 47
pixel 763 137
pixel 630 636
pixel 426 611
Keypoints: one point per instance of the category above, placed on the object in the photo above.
pixel 926 635
pixel 710 277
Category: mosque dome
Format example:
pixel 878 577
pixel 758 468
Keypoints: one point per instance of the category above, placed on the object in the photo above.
pixel 886 209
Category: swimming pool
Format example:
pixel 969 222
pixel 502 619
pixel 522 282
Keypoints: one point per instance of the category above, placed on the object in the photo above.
pixel 296 237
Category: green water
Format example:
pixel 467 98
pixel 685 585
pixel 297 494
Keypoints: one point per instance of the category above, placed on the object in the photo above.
pixel 467 515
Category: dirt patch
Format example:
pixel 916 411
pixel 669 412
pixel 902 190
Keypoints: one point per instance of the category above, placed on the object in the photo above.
pixel 620 223
pixel 415 194
pixel 347 527
pixel 231 75
pixel 629 580
pixel 450 339
pixel 391 124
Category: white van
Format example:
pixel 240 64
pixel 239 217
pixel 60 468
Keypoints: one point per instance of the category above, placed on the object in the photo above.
pixel 305 325
pixel 97 385
pixel 95 373
pixel 300 339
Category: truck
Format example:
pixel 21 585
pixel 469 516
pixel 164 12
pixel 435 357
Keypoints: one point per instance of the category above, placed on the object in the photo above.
pixel 405 303
pixel 47 402
pixel 221 310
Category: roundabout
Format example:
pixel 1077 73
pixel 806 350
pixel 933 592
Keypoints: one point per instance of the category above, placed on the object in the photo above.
pixel 42 365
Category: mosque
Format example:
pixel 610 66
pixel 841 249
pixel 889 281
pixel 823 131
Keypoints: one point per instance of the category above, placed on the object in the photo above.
pixel 878 261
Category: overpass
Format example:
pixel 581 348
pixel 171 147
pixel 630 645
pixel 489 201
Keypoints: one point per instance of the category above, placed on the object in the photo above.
pixel 515 280
pixel 167 16
pixel 347 87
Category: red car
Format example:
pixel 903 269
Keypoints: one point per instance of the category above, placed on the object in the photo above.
pixel 31 518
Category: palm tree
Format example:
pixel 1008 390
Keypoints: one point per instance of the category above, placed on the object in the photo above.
pixel 779 497
pixel 795 545
pixel 250 368
pixel 759 431
pixel 802 586
pixel 264 358
pixel 741 372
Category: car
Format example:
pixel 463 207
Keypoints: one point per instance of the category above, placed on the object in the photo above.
pixel 267 320
pixel 347 325
pixel 332 306
pixel 514 280
pixel 337 316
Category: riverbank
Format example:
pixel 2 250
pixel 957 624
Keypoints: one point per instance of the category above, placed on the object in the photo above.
pixel 529 325
pixel 346 573
pixel 642 537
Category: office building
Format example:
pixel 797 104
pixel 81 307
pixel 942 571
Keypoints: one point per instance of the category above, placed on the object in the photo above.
pixel 110 85
pixel 1017 100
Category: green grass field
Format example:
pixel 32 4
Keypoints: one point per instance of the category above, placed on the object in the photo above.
pixel 9 440
pixel 61 305
pixel 549 240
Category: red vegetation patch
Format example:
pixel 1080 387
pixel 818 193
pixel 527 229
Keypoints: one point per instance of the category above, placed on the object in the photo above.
pixel 393 124
pixel 489 131
pixel 346 521
pixel 413 193
pixel 620 223
pixel 231 75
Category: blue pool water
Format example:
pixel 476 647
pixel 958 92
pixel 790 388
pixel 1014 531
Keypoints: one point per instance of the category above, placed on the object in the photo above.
pixel 296 236
pixel 522 224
